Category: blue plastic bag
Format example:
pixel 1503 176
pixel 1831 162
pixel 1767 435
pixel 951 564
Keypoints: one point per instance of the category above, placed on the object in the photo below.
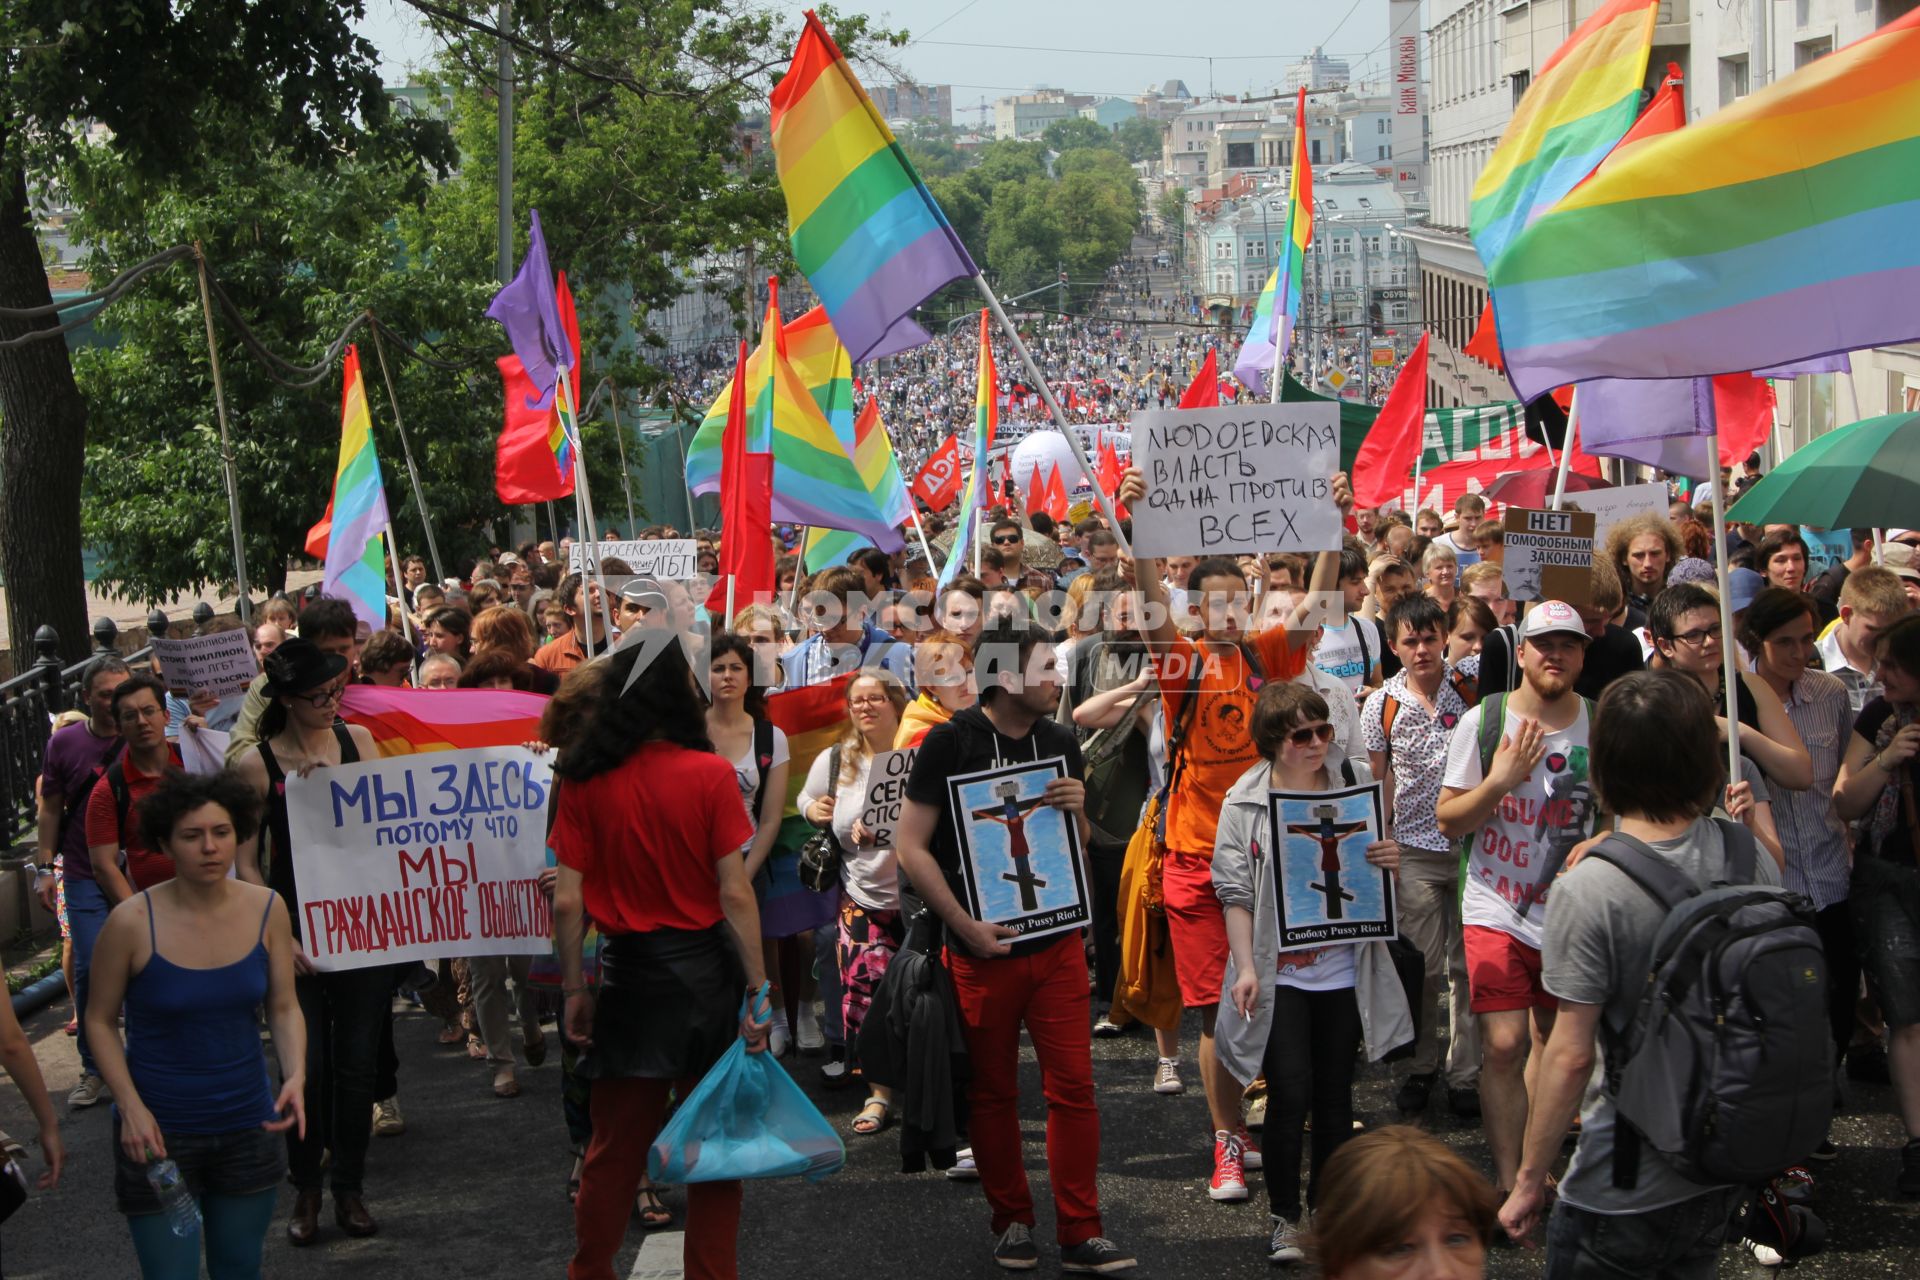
pixel 746 1119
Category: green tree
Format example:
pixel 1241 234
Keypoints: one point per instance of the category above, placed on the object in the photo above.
pixel 1023 235
pixel 165 81
pixel 1171 209
pixel 1075 132
pixel 1140 138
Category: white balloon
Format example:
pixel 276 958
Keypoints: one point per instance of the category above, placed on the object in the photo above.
pixel 1045 449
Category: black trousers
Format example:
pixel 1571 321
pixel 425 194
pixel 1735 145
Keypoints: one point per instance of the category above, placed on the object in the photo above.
pixel 1309 1068
pixel 1105 863
pixel 1835 927
pixel 346 1014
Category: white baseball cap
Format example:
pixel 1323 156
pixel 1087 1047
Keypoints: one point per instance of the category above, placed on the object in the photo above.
pixel 1551 616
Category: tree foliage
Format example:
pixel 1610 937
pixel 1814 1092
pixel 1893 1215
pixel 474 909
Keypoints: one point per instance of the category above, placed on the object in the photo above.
pixel 1074 132
pixel 1140 138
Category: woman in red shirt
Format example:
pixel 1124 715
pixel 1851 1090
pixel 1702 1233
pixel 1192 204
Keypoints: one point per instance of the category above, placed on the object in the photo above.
pixel 647 829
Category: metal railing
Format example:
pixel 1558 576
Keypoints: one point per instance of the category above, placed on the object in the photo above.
pixel 30 701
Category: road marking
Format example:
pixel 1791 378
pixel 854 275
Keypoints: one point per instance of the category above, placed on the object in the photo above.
pixel 662 1257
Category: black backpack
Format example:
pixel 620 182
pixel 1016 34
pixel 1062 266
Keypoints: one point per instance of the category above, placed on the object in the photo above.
pixel 1727 1067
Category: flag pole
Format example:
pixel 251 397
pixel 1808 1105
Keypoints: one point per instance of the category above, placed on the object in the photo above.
pixel 620 438
pixel 245 605
pixel 1053 407
pixel 399 585
pixel 583 500
pixel 1729 668
pixel 913 509
pixel 406 450
pixel 1566 453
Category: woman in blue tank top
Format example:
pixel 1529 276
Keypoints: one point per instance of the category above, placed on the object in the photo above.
pixel 192 959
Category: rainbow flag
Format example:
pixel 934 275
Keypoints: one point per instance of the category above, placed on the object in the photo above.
pixel 1279 306
pixel 986 417
pixel 1777 229
pixel 565 430
pixel 864 228
pixel 409 721
pixel 813 718
pixel 348 537
pixel 815 481
pixel 879 470
pixel 1582 103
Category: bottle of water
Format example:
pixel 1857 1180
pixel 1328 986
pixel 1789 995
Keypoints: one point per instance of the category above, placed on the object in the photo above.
pixel 176 1200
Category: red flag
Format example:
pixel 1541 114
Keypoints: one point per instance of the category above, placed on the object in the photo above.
pixel 1743 408
pixel 1036 492
pixel 1204 391
pixel 1069 402
pixel 937 483
pixel 1056 495
pixel 1109 476
pixel 746 507
pixel 523 465
pixel 1484 345
pixel 1384 465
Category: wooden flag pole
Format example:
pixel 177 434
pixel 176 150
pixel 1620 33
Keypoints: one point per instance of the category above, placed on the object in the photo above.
pixel 1053 407
pixel 1566 454
pixel 583 501
pixel 406 450
pixel 245 605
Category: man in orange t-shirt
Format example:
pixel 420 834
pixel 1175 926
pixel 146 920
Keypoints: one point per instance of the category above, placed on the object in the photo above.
pixel 1210 685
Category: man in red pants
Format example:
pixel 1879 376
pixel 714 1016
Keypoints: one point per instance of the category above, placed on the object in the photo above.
pixel 1002 982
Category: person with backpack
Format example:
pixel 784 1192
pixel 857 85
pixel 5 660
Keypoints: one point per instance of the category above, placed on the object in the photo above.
pixel 1209 685
pixel 1408 724
pixel 122 861
pixel 1301 1028
pixel 76 757
pixel 1516 794
pixel 1677 957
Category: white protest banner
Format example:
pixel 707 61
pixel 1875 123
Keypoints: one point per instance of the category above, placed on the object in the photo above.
pixel 1238 479
pixel 203 751
pixel 675 558
pixel 1549 555
pixel 222 662
pixel 886 792
pixel 422 857
pixel 1611 506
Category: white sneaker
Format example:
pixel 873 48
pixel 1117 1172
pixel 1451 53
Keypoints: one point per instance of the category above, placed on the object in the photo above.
pixel 965 1170
pixel 1285 1250
pixel 89 1091
pixel 779 1039
pixel 1166 1077
pixel 808 1035
pixel 387 1120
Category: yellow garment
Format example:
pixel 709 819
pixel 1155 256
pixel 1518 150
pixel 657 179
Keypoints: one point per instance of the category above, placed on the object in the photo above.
pixel 1148 988
pixel 921 715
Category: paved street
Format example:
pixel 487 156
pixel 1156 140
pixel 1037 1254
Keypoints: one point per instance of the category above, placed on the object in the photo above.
pixel 475 1189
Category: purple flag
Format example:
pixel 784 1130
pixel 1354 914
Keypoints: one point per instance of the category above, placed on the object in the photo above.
pixel 1659 422
pixel 529 311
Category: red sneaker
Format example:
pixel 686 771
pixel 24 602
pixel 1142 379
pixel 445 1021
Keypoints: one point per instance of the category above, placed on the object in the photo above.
pixel 1229 1181
pixel 1249 1151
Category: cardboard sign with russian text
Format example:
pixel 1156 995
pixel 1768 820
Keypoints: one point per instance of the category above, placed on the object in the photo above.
pixel 1238 479
pixel 886 792
pixel 1549 555
pixel 653 557
pixel 422 857
pixel 222 662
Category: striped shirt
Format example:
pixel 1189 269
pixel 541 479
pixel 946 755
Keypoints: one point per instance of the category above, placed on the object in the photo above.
pixel 1818 864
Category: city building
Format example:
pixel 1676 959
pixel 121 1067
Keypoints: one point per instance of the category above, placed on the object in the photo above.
pixel 1110 113
pixel 1025 116
pixel 1317 71
pixel 914 102
pixel 1183 156
pixel 1165 102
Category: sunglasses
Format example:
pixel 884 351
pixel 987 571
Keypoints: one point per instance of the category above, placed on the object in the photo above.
pixel 1307 735
pixel 1012 541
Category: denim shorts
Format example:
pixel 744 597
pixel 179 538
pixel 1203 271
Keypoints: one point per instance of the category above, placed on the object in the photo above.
pixel 1884 900
pixel 223 1164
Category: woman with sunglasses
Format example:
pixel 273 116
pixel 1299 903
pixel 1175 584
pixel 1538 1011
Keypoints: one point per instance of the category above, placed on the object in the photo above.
pixel 346 1011
pixel 1300 1029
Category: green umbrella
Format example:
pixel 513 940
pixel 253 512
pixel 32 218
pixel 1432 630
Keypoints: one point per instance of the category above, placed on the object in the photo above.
pixel 1863 476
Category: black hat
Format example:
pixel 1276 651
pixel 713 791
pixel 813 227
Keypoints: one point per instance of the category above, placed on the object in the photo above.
pixel 299 665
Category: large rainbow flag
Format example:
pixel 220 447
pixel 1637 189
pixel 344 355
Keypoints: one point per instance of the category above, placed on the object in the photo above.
pixel 814 478
pixel 349 536
pixel 408 721
pixel 1776 230
pixel 1582 103
pixel 864 228
pixel 879 470
pixel 1279 305
pixel 986 417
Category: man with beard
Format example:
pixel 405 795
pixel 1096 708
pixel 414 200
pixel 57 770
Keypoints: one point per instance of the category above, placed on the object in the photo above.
pixel 1516 791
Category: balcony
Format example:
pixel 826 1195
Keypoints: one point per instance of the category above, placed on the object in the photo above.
pixel 1672 24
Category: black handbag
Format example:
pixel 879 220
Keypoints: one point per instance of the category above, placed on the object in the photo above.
pixel 820 856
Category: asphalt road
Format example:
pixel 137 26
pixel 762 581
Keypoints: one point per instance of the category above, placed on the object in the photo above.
pixel 475 1188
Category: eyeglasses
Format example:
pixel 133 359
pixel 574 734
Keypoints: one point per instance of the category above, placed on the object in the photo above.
pixel 1698 636
pixel 868 700
pixel 144 713
pixel 1307 735
pixel 321 697
pixel 1013 540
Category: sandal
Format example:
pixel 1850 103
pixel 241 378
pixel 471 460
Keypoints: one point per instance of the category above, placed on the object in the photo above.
pixel 451 1034
pixel 476 1048
pixel 867 1122
pixel 505 1083
pixel 652 1213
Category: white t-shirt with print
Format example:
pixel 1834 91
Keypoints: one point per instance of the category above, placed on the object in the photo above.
pixel 746 772
pixel 1349 652
pixel 1524 844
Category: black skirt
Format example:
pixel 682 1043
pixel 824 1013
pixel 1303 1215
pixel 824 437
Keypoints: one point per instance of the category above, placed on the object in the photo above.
pixel 668 1005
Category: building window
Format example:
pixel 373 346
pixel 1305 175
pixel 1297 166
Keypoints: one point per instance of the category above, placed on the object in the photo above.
pixel 1380 124
pixel 1733 79
pixel 1807 51
pixel 1520 81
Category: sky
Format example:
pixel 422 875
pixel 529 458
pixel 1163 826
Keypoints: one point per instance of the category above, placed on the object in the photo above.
pixel 990 48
